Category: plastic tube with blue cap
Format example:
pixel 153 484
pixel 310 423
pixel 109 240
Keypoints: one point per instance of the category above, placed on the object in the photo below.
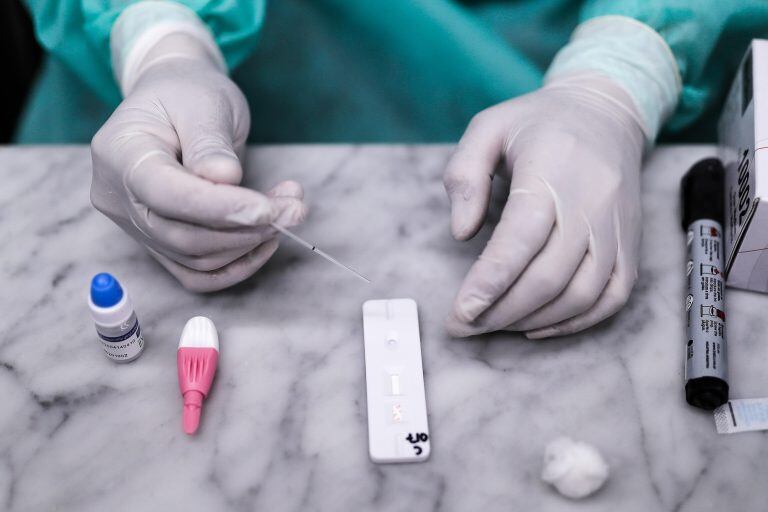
pixel 116 323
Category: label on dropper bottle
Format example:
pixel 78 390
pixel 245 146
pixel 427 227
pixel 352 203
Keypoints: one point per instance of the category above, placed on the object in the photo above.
pixel 123 342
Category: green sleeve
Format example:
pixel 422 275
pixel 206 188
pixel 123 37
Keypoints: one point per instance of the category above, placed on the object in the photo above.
pixel 77 33
pixel 708 39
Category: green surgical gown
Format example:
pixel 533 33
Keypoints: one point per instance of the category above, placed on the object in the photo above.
pixel 382 71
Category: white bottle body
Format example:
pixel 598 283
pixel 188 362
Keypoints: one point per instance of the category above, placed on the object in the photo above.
pixel 118 330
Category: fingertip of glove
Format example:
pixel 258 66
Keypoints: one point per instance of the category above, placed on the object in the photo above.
pixel 456 328
pixel 289 211
pixel 218 168
pixel 465 223
pixel 288 188
pixel 460 324
pixel 267 249
pixel 467 307
pixel 249 216
pixel 539 334
pixel 461 229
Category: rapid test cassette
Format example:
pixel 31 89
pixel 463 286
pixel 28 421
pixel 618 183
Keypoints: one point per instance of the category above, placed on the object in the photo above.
pixel 397 407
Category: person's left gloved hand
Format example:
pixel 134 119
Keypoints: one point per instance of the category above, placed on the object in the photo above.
pixel 564 255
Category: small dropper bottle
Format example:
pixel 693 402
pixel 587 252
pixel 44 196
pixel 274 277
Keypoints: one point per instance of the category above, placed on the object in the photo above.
pixel 116 323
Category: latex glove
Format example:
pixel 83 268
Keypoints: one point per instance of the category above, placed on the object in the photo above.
pixel 167 169
pixel 564 254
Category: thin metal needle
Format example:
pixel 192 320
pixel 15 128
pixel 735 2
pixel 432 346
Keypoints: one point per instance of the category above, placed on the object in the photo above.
pixel 318 251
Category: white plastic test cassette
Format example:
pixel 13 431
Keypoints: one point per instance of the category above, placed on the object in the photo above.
pixel 397 408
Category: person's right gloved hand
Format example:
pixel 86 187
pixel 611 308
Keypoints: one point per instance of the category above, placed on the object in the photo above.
pixel 167 169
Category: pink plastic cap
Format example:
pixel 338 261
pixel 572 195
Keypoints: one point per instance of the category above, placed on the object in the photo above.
pixel 193 403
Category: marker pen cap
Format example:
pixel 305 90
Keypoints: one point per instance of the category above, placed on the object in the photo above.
pixel 702 192
pixel 706 392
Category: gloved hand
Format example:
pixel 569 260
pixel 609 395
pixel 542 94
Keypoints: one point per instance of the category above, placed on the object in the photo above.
pixel 564 255
pixel 167 169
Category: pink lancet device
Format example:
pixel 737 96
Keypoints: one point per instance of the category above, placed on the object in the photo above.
pixel 196 360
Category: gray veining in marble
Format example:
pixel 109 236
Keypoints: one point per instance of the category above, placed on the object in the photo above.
pixel 285 426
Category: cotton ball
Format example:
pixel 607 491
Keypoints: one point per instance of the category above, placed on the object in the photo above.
pixel 576 469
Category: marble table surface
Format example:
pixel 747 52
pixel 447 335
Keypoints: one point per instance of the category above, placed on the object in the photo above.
pixel 285 426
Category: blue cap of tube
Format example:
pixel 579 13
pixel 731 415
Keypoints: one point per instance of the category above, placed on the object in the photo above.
pixel 105 290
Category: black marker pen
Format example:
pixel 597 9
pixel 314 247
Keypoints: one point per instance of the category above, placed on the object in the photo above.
pixel 706 362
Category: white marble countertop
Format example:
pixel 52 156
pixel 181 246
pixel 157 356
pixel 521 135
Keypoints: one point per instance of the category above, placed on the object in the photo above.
pixel 285 425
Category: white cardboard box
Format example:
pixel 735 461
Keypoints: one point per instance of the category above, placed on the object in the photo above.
pixel 743 142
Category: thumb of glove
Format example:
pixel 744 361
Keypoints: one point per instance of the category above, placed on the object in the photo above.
pixel 210 155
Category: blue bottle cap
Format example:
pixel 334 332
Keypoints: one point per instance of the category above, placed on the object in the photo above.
pixel 105 290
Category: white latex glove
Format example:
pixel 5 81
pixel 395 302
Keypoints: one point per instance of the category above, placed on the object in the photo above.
pixel 564 255
pixel 167 168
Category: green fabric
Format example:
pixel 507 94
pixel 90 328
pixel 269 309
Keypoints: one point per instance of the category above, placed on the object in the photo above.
pixel 708 39
pixel 77 33
pixel 365 70
pixel 327 71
